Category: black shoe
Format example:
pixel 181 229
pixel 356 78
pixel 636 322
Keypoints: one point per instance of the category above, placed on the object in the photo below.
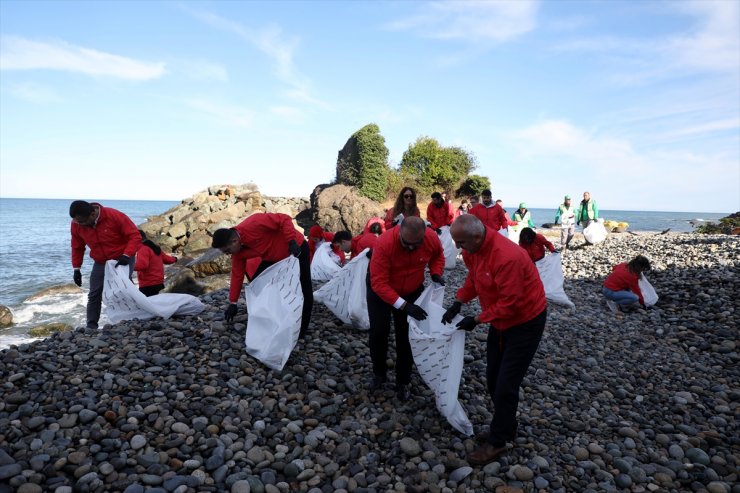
pixel 403 392
pixel 377 382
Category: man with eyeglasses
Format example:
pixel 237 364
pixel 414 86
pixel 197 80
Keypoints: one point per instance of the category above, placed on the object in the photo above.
pixel 489 212
pixel 110 235
pixel 271 237
pixel 395 281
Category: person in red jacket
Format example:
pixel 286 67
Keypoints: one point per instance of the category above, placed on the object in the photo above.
pixel 341 245
pixel 512 301
pixel 110 235
pixel 439 213
pixel 396 280
pixel 272 237
pixel 367 239
pixel 490 213
pixel 150 260
pixel 405 206
pixel 316 236
pixel 622 287
pixel 534 244
pixel 463 209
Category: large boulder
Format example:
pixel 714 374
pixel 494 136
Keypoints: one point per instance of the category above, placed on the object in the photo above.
pixel 198 242
pixel 55 291
pixel 46 330
pixel 6 316
pixel 339 207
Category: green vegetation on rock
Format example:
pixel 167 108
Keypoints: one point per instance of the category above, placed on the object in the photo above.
pixel 436 167
pixel 48 329
pixel 473 185
pixel 727 225
pixel 363 163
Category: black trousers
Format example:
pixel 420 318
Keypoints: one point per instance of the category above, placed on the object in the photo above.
pixel 152 290
pixel 509 354
pixel 380 314
pixel 304 262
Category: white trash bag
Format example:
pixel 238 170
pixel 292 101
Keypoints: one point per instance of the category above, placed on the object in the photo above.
pixel 595 233
pixel 323 266
pixel 450 250
pixel 124 301
pixel 551 273
pixel 438 351
pixel 274 306
pixel 346 293
pixel 649 296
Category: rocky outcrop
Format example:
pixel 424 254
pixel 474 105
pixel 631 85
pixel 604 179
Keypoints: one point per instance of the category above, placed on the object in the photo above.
pixel 55 290
pixel 339 207
pixel 6 316
pixel 46 330
pixel 188 227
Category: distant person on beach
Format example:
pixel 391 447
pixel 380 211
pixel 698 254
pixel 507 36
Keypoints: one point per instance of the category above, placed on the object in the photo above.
pixel 341 245
pixel 110 235
pixel 587 211
pixel 535 244
pixel 150 260
pixel 523 216
pixel 474 200
pixel 512 299
pixel 566 216
pixel 405 206
pixel 369 236
pixel 463 209
pixel 490 213
pixel 439 213
pixel 272 237
pixel 317 236
pixel 395 281
pixel 621 287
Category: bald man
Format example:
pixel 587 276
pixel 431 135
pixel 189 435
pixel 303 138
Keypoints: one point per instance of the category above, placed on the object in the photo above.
pixel 512 300
pixel 395 281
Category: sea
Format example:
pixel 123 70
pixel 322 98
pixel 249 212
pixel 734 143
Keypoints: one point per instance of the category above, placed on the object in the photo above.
pixel 35 254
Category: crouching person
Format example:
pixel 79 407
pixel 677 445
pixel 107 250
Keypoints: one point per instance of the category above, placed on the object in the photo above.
pixel 622 287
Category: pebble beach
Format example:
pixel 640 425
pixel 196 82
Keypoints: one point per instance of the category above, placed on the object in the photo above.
pixel 646 400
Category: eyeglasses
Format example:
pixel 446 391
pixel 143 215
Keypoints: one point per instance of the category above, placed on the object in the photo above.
pixel 408 196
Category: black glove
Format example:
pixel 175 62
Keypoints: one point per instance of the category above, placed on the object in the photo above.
pixel 369 253
pixel 77 277
pixel 230 312
pixel 438 230
pixel 438 279
pixel 468 323
pixel 415 311
pixel 123 260
pixel 294 249
pixel 451 312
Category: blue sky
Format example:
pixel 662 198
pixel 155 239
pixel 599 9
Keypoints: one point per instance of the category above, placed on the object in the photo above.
pixel 637 102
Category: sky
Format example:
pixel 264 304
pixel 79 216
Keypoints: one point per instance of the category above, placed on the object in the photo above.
pixel 637 102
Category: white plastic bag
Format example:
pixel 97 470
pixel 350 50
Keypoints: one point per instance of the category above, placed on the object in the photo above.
pixel 438 351
pixel 595 233
pixel 346 293
pixel 551 273
pixel 323 267
pixel 275 306
pixel 649 296
pixel 124 301
pixel 450 250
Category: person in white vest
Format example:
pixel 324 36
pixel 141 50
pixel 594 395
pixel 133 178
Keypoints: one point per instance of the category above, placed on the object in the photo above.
pixel 566 217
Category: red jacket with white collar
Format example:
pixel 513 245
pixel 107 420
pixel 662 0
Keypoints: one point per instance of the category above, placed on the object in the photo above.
pixel 396 271
pixel 113 235
pixel 505 281
pixel 262 235
pixel 492 217
pixel 150 266
pixel 439 216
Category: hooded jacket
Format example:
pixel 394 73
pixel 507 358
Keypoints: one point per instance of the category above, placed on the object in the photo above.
pixel 150 260
pixel 367 239
pixel 492 217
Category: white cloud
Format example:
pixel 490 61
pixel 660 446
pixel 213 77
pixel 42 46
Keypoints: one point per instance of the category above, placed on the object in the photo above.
pixel 201 69
pixel 35 93
pixel 18 53
pixel 473 21
pixel 225 114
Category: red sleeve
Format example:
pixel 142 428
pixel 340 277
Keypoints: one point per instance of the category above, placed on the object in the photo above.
pixel 450 214
pixel 355 244
pixel 542 241
pixel 509 277
pixel 238 268
pixel 285 224
pixel 167 259
pixel 635 286
pixel 388 219
pixel 501 217
pixel 437 260
pixel 431 216
pixel 130 230
pixel 467 291
pixel 78 247
pixel 142 258
pixel 380 273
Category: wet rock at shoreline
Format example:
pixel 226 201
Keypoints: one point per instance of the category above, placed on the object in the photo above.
pixel 6 316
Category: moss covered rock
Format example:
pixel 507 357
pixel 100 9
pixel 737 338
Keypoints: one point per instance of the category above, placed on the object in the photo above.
pixel 48 329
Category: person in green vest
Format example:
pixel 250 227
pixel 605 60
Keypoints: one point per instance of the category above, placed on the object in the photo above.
pixel 522 215
pixel 566 216
pixel 587 212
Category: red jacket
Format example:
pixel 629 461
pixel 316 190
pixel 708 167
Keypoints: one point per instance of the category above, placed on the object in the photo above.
pixel 439 216
pixel 312 244
pixel 113 235
pixel 150 266
pixel 396 272
pixel 505 281
pixel 262 235
pixel 536 249
pixel 492 217
pixel 622 279
pixel 389 217
pixel 366 239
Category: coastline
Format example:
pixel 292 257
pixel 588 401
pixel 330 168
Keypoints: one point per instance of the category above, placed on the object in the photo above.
pixel 643 402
